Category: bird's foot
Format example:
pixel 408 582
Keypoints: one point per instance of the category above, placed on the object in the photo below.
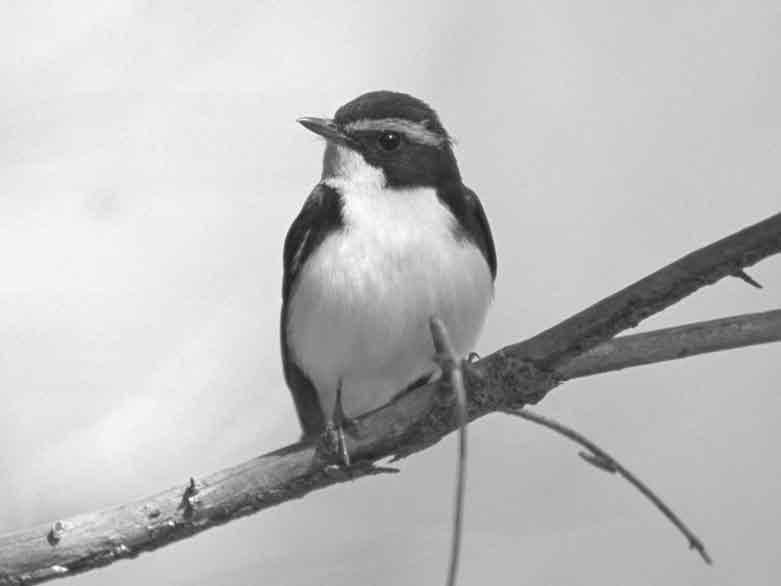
pixel 336 444
pixel 334 432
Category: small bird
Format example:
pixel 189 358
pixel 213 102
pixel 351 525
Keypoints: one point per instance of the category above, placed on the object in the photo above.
pixel 389 238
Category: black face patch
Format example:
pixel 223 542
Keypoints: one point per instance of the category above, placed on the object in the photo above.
pixel 409 163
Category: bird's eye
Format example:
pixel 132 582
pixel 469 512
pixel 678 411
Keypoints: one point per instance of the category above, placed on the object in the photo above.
pixel 389 141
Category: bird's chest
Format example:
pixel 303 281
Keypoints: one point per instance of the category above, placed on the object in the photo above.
pixel 360 312
pixel 396 255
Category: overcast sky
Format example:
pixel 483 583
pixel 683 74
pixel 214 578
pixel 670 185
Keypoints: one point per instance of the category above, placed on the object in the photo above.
pixel 150 165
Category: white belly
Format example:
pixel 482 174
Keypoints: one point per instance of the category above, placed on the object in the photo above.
pixel 359 315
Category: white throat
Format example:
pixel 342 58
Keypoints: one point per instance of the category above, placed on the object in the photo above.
pixel 348 167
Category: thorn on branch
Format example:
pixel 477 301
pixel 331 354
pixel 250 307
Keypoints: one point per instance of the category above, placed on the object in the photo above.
pixel 187 504
pixel 366 467
pixel 357 468
pixel 599 462
pixel 744 276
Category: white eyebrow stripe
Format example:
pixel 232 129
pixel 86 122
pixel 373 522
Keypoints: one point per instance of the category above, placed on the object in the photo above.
pixel 415 131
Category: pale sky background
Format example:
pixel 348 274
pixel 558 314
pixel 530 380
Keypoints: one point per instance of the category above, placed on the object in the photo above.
pixel 150 165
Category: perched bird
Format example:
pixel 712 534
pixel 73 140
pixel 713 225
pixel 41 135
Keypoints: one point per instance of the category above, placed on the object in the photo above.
pixel 389 238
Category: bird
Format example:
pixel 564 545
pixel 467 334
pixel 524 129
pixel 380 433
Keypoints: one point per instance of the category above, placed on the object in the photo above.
pixel 388 238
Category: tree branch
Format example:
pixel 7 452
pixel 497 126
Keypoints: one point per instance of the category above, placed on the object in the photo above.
pixel 513 376
pixel 674 343
pixel 627 308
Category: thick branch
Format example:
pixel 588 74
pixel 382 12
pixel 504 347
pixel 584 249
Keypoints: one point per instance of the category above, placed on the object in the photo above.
pixel 513 376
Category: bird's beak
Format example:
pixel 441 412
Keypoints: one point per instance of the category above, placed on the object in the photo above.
pixel 326 128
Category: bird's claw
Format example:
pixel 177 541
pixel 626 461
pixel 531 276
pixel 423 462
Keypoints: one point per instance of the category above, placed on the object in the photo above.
pixel 334 432
pixel 335 442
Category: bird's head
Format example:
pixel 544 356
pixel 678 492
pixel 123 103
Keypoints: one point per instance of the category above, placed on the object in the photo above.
pixel 391 135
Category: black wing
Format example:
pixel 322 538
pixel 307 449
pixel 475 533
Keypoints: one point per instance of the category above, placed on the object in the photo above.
pixel 466 207
pixel 321 215
pixel 482 231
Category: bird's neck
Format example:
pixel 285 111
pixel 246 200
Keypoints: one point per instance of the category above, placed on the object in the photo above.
pixel 348 168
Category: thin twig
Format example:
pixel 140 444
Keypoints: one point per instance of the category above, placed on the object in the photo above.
pixel 452 367
pixel 604 461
